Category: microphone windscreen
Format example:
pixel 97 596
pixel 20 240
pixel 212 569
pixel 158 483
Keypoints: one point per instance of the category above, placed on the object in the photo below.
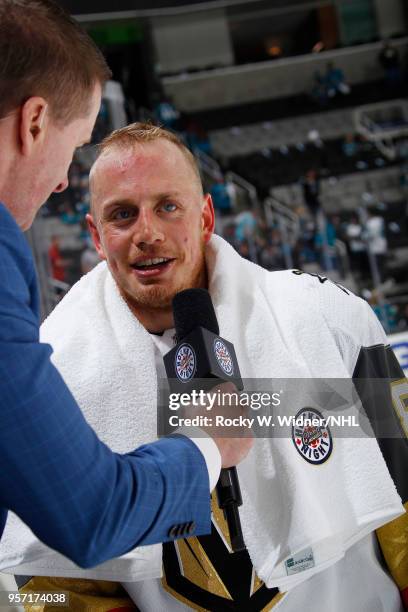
pixel 193 308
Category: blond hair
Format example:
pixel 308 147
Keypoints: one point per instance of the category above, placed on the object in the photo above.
pixel 140 133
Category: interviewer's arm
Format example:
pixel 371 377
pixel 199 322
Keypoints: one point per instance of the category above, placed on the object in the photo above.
pixel 75 494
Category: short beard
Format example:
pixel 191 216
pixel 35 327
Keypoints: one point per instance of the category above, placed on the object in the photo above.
pixel 158 298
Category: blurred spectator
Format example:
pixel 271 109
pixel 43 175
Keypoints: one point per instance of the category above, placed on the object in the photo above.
pixel 403 317
pixel 244 250
pixel 311 191
pixel 335 81
pixel 271 255
pixel 74 191
pixel 89 257
pixel 103 125
pixel 57 262
pixel 167 114
pixel 386 313
pixel 402 148
pixel 320 154
pixel 245 226
pixel 78 182
pixel 325 243
pixel 197 138
pixel 228 233
pixel 69 216
pixel 349 145
pixel 356 246
pixel 315 139
pixel 374 234
pixel 390 61
pixel 319 90
pixel 82 207
pixel 403 179
pixel 221 197
pixel 304 251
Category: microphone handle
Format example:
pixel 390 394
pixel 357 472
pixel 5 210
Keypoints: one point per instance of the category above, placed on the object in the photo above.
pixel 229 499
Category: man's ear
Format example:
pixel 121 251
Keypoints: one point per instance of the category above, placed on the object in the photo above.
pixel 34 121
pixel 207 218
pixel 96 239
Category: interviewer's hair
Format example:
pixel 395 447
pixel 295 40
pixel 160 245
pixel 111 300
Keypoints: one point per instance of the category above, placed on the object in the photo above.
pixel 140 133
pixel 45 52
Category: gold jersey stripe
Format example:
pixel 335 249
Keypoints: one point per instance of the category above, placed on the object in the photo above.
pixel 198 608
pixel 393 538
pixel 219 519
pixel 200 571
pixel 84 595
pixel 258 583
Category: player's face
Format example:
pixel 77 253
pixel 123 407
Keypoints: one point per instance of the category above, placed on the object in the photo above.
pixel 150 222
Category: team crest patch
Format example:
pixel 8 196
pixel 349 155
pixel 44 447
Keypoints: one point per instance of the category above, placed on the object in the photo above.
pixel 185 362
pixel 311 436
pixel 223 357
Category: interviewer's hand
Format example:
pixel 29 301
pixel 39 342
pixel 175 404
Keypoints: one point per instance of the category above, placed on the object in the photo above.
pixel 233 450
pixel 234 442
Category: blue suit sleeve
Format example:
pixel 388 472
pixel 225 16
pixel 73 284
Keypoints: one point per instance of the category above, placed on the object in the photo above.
pixel 76 495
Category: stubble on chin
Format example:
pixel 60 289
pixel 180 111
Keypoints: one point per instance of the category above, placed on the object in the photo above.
pixel 152 297
pixel 158 297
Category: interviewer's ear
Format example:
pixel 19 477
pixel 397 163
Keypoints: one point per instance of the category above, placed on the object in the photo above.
pixel 33 123
pixel 93 230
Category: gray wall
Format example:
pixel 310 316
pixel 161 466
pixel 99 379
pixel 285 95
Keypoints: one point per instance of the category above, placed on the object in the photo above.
pixel 192 41
pixel 390 17
pixel 275 79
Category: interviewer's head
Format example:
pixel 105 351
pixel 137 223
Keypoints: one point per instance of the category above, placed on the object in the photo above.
pixel 147 202
pixel 51 75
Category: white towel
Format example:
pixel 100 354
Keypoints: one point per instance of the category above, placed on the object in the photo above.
pixel 107 359
pixel 277 323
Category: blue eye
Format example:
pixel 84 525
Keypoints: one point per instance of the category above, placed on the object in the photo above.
pixel 121 215
pixel 169 207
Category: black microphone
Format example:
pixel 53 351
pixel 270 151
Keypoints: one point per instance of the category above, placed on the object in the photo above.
pixel 201 353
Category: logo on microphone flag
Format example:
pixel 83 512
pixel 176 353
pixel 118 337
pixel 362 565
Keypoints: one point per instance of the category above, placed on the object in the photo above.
pixel 223 357
pixel 185 362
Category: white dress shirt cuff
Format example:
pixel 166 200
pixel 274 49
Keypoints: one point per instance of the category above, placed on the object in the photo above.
pixel 209 449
